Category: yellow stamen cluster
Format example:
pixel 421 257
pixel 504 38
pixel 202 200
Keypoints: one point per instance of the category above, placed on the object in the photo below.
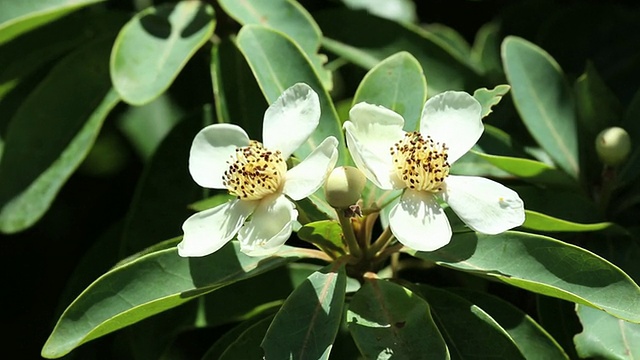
pixel 421 164
pixel 255 172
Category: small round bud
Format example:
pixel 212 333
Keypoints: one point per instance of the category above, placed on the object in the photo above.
pixel 613 146
pixel 344 186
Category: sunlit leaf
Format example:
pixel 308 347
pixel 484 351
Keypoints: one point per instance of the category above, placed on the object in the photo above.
pixel 369 39
pixel 18 17
pixel 67 108
pixel 489 98
pixel 606 337
pixel 151 284
pixel 543 265
pixel 326 234
pixel 398 84
pixel 289 17
pixel 543 222
pixel 532 171
pixel 543 99
pixel 155 45
pixel 308 321
pixel 278 63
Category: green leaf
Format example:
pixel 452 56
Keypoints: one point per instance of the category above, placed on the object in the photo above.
pixel 235 340
pixel 390 321
pixel 542 265
pixel 532 171
pixel 543 222
pixel 531 338
pixel 369 39
pixel 151 284
pixel 234 87
pixel 67 109
pixel 606 337
pixel 485 51
pixel 247 345
pixel 308 321
pixel 18 17
pixel 468 330
pixel 278 63
pixel 598 107
pixel 543 99
pixel 288 17
pixel 571 206
pixel 489 98
pixel 154 46
pixel 159 205
pixel 558 317
pixel 398 84
pixel 326 235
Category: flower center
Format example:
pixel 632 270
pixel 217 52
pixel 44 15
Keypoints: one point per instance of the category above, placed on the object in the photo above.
pixel 421 164
pixel 255 172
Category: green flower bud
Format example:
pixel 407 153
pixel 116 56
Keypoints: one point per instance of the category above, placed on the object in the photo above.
pixel 613 146
pixel 344 186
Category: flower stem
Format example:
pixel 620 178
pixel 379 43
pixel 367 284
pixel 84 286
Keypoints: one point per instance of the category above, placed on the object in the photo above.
pixel 349 235
pixel 381 242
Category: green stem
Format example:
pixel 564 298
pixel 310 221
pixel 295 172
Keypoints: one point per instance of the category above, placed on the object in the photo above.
pixel 381 242
pixel 349 235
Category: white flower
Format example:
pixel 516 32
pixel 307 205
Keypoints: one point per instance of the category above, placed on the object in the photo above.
pixel 419 163
pixel 223 157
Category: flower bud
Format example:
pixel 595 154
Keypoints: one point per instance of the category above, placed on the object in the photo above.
pixel 344 186
pixel 613 146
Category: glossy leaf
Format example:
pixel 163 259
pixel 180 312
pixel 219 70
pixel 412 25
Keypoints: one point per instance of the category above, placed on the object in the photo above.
pixel 543 222
pixel 369 39
pixel 290 18
pixel 326 234
pixel 18 17
pixel 389 321
pixel 574 207
pixel 398 84
pixel 532 339
pixel 155 45
pixel 532 171
pixel 278 63
pixel 543 265
pixel 308 321
pixel 159 206
pixel 151 284
pixel 468 330
pixel 489 98
pixel 68 108
pixel 543 99
pixel 606 337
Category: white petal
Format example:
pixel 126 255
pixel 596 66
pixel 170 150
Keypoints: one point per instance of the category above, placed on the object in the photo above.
pixel 291 119
pixel 209 230
pixel 212 147
pixel 419 222
pixel 453 118
pixel 269 227
pixel 484 205
pixel 307 177
pixel 370 133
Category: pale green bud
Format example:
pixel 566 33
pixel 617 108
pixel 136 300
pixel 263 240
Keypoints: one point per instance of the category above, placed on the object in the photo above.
pixel 613 145
pixel 344 186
